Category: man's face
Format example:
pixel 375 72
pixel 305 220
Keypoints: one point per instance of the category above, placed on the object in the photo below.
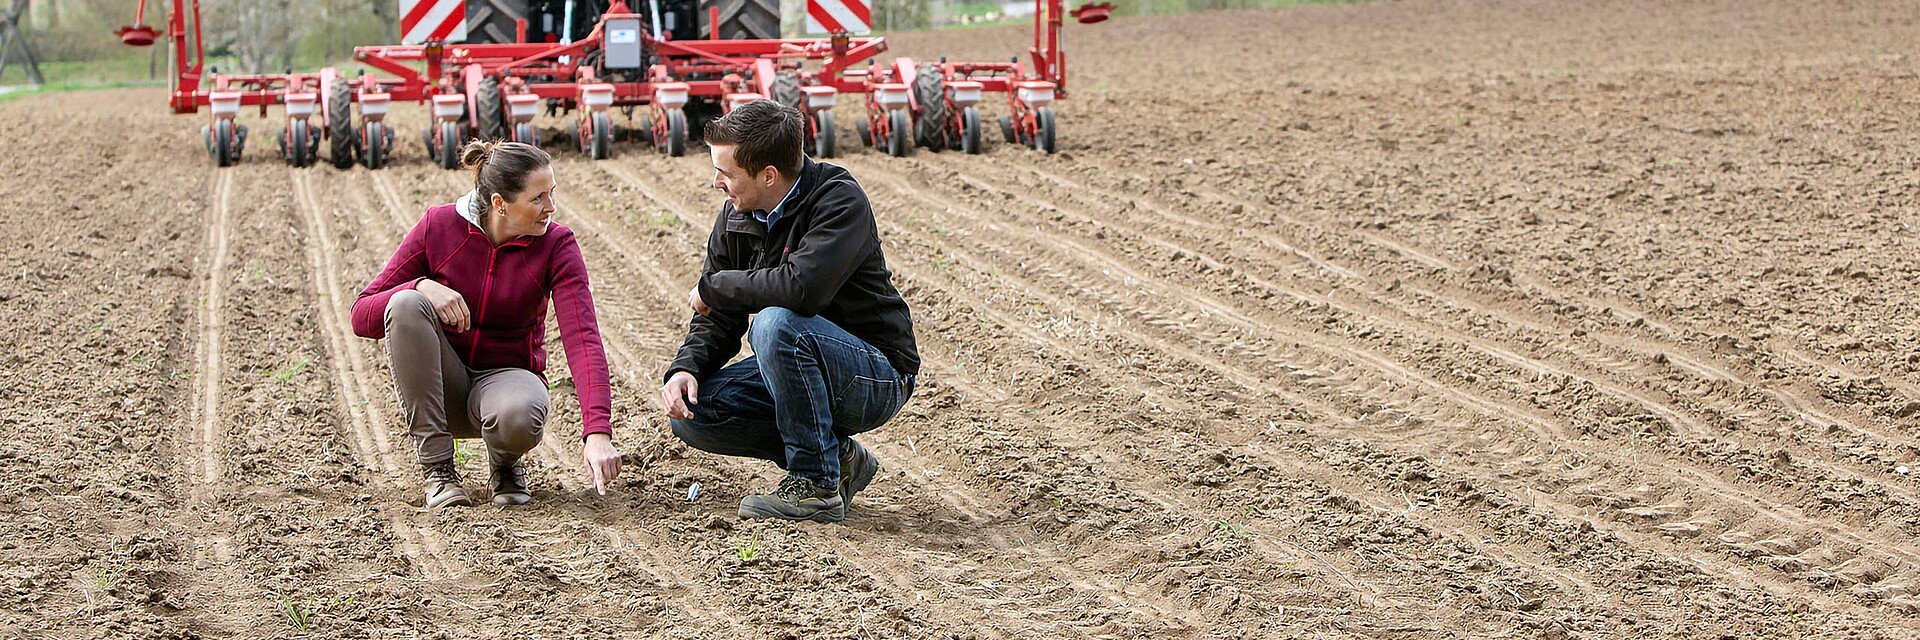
pixel 746 191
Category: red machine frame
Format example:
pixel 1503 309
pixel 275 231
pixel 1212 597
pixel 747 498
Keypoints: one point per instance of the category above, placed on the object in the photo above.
pixel 726 71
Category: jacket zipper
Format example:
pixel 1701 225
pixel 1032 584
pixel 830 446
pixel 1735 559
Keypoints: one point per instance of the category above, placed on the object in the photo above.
pixel 486 291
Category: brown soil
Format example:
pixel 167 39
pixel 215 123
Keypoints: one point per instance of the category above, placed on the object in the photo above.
pixel 1391 320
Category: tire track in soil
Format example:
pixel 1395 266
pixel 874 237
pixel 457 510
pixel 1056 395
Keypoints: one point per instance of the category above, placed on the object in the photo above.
pixel 1533 365
pixel 1381 309
pixel 205 433
pixel 1073 577
pixel 1486 406
pixel 1342 571
pixel 424 547
pixel 662 560
pixel 596 232
pixel 1792 516
pixel 1641 354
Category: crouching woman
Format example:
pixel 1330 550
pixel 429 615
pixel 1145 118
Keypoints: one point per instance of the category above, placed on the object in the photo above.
pixel 462 306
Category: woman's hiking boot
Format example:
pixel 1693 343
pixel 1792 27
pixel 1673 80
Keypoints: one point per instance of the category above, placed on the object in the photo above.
pixel 443 486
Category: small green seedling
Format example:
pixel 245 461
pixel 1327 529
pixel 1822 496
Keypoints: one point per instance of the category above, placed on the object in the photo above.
pixel 286 374
pixel 109 577
pixel 1234 530
pixel 464 451
pixel 750 550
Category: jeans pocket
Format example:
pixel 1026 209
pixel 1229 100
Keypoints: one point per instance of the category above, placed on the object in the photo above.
pixel 867 404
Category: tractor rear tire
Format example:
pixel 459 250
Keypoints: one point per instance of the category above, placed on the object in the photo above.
pixel 823 142
pixel 786 89
pixel 374 150
pixel 897 125
pixel 339 117
pixel 1043 132
pixel 970 131
pixel 449 145
pixel 491 117
pixel 743 19
pixel 930 125
pixel 493 21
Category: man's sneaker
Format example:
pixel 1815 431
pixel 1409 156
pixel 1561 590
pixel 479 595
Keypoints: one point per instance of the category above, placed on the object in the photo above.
pixel 510 484
pixel 857 467
pixel 796 499
pixel 443 486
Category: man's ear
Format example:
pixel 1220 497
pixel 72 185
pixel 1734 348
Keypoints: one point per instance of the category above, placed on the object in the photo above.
pixel 769 176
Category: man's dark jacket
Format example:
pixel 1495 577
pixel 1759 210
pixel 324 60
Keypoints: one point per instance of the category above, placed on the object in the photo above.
pixel 821 258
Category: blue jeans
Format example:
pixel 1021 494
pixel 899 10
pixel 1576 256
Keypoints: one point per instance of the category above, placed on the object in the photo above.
pixel 808 387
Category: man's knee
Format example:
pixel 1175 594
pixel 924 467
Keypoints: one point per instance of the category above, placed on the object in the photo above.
pixel 409 305
pixel 690 432
pixel 773 325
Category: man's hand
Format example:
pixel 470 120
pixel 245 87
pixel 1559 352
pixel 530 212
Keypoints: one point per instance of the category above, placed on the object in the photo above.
pixel 602 461
pixel 446 302
pixel 681 390
pixel 699 306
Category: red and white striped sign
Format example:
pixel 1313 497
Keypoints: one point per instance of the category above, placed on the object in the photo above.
pixel 828 16
pixel 423 20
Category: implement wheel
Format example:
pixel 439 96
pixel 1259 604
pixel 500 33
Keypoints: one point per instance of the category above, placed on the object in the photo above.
pixel 1043 132
pixel 823 142
pixel 524 132
pixel 673 141
pixel 223 147
pixel 449 144
pixel 339 117
pixel 373 150
pixel 897 125
pixel 299 153
pixel 970 130
pixel 600 146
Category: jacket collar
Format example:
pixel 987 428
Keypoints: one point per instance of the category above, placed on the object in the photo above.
pixel 744 221
pixel 465 207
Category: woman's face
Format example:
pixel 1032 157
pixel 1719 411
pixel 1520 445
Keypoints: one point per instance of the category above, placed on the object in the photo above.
pixel 529 212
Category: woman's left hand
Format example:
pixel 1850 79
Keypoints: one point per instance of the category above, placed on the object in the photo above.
pixel 602 460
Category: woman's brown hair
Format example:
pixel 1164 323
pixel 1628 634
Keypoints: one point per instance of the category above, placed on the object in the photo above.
pixel 500 167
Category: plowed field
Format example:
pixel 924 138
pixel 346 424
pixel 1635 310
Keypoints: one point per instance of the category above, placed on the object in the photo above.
pixel 1419 319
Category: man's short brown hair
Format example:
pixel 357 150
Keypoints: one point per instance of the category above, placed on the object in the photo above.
pixel 765 134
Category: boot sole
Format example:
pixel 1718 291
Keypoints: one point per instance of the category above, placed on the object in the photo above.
pixel 511 499
pixel 829 516
pixel 456 500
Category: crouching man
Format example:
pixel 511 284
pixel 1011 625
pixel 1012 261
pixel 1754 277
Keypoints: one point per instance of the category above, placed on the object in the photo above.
pixel 793 265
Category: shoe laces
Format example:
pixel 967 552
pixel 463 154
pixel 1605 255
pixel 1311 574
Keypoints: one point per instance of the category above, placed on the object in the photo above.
pixel 509 473
pixel 793 490
pixel 443 472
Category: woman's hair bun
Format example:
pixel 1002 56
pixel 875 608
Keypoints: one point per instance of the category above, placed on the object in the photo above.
pixel 475 155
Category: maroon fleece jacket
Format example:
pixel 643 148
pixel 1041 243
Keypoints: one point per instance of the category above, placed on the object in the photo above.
pixel 506 290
